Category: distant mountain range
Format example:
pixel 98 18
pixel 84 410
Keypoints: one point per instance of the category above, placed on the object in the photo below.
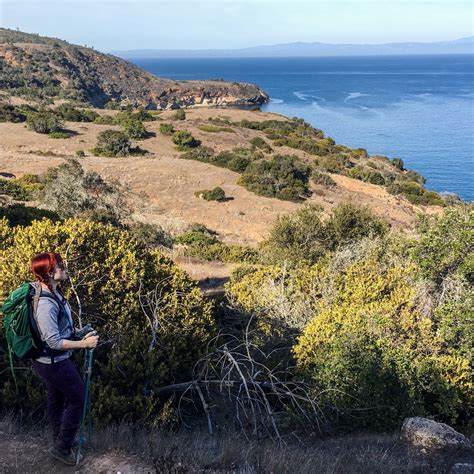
pixel 460 46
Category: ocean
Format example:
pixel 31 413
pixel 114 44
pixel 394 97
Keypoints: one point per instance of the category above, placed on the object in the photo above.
pixel 418 108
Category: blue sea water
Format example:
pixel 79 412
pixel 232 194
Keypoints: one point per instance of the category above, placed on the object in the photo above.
pixel 418 108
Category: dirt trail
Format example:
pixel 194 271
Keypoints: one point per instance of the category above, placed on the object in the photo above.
pixel 20 453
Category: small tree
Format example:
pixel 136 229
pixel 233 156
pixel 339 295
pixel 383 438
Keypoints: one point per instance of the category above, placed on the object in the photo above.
pixel 72 192
pixel 44 122
pixel 135 129
pixel 112 143
pixel 184 140
pixel 180 115
pixel 167 129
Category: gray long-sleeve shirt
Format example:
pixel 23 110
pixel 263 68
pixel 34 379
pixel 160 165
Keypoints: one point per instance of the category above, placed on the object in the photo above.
pixel 53 328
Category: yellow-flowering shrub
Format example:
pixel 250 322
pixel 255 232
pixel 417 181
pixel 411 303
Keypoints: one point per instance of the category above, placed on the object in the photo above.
pixel 111 272
pixel 375 357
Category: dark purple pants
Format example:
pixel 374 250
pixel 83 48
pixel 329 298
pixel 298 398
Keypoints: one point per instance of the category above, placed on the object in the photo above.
pixel 66 395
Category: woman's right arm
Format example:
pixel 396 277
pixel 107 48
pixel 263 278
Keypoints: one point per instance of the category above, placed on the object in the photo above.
pixel 88 343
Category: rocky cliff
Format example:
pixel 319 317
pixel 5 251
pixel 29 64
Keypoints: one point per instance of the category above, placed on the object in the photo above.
pixel 33 66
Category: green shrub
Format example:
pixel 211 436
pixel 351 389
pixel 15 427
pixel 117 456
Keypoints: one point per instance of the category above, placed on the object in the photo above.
pixel 236 160
pixel 167 129
pixel 135 129
pixel 414 176
pixel 358 153
pixel 398 163
pixel 334 163
pixel 445 244
pixel 220 120
pixel 213 129
pixel 415 193
pixel 18 214
pixel 215 194
pixel 11 187
pixel 179 115
pixel 376 358
pixel 150 235
pixel 70 191
pixel 184 140
pixel 366 175
pixel 104 120
pixel 71 114
pixel 322 178
pixel 58 135
pixel 112 143
pixel 200 153
pixel 44 122
pixel 283 177
pixel 203 244
pixel 305 235
pixel 10 113
pixel 260 143
pixel 119 273
pixel 143 115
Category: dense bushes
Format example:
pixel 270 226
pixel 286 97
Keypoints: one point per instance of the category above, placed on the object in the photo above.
pixel 415 193
pixel 11 188
pixel 306 235
pixel 283 177
pixel 385 322
pixel 113 269
pixel 260 143
pixel 10 113
pixel 70 113
pixel 322 178
pixel 370 348
pixel 366 175
pixel 201 243
pixel 44 122
pixel 22 188
pixel 19 214
pixel 445 246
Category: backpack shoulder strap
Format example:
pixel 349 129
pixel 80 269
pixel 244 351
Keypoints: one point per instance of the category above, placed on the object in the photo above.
pixel 36 296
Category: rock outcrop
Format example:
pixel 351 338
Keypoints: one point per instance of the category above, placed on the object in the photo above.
pixel 36 65
pixel 428 436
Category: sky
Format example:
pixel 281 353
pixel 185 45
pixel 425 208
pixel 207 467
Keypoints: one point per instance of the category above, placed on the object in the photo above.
pixel 111 25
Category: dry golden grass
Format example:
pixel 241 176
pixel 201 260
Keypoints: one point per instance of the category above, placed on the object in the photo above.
pixel 128 448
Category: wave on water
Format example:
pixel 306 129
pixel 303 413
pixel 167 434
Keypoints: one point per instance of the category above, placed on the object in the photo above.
pixel 303 95
pixel 274 100
pixel 355 95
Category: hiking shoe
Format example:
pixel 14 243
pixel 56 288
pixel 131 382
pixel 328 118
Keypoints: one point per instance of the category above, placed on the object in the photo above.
pixel 65 458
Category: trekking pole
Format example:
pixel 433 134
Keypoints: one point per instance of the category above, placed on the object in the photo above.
pixel 87 406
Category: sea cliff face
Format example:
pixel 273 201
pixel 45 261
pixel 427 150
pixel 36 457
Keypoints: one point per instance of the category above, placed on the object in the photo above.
pixel 35 66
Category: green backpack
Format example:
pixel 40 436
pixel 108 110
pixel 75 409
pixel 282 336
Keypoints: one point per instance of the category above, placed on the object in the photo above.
pixel 19 325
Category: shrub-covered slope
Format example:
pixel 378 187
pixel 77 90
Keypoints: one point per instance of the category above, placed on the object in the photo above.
pixel 36 66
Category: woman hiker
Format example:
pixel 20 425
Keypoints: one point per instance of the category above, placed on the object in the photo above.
pixel 66 389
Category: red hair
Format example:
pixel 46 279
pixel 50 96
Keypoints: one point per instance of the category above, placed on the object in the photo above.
pixel 43 265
